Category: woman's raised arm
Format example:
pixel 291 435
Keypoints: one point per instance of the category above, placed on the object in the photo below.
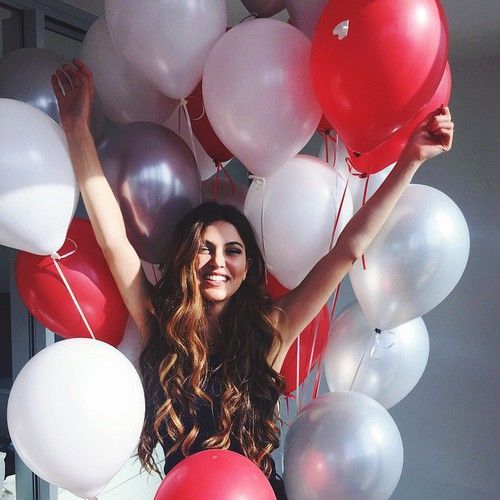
pixel 75 104
pixel 433 136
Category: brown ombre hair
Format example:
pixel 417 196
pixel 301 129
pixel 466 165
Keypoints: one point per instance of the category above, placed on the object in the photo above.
pixel 174 359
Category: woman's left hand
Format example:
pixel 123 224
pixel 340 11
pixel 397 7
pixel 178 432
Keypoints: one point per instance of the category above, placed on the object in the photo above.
pixel 431 137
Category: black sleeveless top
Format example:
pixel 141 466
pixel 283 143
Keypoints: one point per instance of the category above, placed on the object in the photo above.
pixel 208 418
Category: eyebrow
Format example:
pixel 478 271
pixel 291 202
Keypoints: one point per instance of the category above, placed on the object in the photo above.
pixel 228 243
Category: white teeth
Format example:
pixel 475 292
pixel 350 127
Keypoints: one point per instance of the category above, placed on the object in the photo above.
pixel 213 277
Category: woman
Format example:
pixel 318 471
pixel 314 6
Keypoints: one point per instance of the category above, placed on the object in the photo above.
pixel 214 343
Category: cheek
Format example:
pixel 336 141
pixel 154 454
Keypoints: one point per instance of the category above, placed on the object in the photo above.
pixel 202 260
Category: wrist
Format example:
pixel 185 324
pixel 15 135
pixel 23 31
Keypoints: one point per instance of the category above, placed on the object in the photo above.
pixel 76 129
pixel 409 161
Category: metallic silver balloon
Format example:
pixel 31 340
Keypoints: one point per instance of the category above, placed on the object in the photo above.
pixel 154 176
pixel 385 366
pixel 342 446
pixel 264 8
pixel 25 76
pixel 415 261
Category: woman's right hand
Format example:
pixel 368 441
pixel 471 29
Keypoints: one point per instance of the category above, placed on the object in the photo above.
pixel 77 94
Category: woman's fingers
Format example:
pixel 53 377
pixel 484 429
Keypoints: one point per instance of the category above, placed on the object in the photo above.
pixel 55 86
pixel 434 127
pixel 65 81
pixel 72 74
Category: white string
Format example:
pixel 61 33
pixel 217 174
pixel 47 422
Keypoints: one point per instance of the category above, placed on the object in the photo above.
pixel 55 257
pixel 374 341
pixel 297 373
pixel 183 104
pixel 261 181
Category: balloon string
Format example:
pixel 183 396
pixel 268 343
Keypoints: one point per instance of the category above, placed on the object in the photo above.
pixel 377 342
pixel 262 181
pixel 183 104
pixel 226 173
pixel 324 134
pixel 353 171
pixel 313 347
pixel 335 141
pixel 55 258
pixel 337 218
pixel 202 107
pixel 218 164
pixel 368 343
pixel 297 372
pixel 319 371
pixel 363 260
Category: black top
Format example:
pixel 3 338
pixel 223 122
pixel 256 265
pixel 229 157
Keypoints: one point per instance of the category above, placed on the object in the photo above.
pixel 208 421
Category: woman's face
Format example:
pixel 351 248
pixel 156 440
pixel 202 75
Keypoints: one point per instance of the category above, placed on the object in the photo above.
pixel 222 262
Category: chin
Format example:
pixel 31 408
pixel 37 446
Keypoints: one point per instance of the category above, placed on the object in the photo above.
pixel 215 295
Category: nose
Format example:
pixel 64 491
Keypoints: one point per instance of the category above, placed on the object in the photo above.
pixel 218 259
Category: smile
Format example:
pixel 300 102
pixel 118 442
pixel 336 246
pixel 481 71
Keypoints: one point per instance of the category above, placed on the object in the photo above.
pixel 215 278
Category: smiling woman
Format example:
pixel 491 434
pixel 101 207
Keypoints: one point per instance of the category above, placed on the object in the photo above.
pixel 222 263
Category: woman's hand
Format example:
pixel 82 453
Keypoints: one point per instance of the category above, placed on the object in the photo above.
pixel 77 94
pixel 431 137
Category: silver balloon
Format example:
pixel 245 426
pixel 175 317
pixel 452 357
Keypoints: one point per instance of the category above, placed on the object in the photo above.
pixel 25 76
pixel 226 192
pixel 153 174
pixel 415 261
pixel 125 95
pixel 342 446
pixel 385 366
pixel 304 14
pixel 264 8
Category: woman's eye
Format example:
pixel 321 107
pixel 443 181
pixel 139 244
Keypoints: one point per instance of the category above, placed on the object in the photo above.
pixel 203 250
pixel 234 250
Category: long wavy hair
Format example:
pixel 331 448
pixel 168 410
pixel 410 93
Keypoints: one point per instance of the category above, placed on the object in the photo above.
pixel 174 359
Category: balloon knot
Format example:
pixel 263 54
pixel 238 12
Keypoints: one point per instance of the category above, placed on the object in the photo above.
pixel 55 256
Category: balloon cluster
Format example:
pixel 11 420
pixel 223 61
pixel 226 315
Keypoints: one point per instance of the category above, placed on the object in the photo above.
pixel 187 95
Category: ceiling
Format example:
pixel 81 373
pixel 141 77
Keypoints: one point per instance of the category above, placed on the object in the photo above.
pixel 474 24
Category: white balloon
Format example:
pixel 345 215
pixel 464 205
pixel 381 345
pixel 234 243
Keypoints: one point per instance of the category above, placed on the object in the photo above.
pixel 357 184
pixel 168 41
pixel 293 210
pixel 385 366
pixel 415 261
pixel 38 188
pixel 305 14
pixel 258 93
pixel 75 414
pixel 124 94
pixel 344 446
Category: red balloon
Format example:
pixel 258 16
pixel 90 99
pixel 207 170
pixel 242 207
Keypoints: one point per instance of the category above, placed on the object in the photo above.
pixel 388 152
pixel 374 74
pixel 315 333
pixel 202 128
pixel 215 475
pixel 88 275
